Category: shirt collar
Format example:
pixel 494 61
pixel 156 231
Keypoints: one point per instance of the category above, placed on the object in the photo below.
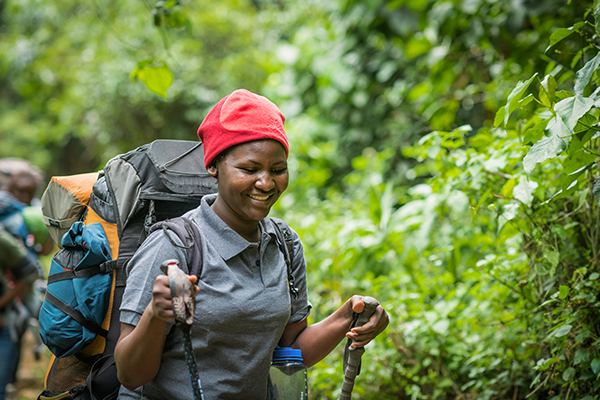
pixel 225 240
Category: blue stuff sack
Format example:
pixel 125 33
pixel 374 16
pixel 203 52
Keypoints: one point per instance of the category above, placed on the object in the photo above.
pixel 78 293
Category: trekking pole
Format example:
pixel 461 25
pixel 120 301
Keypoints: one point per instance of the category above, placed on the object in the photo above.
pixel 353 355
pixel 183 295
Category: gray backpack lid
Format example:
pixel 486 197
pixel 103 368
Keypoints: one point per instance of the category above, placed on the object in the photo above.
pixel 168 170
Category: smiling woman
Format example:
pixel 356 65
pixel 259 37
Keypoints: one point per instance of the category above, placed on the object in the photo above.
pixel 245 305
pixel 250 178
pixel 245 144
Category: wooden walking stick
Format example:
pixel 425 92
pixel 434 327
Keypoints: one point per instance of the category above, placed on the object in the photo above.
pixel 183 294
pixel 352 355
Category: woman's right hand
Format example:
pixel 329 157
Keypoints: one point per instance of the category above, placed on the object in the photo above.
pixel 162 302
pixel 139 349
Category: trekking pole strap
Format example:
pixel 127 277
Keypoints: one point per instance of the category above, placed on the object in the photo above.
pixel 352 356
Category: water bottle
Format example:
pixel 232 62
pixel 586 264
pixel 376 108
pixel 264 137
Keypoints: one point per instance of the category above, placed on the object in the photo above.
pixel 287 376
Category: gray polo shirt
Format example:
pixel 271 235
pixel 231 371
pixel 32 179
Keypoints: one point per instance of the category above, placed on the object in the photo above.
pixel 241 310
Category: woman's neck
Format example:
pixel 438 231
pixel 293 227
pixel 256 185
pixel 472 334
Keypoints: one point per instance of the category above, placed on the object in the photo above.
pixel 249 230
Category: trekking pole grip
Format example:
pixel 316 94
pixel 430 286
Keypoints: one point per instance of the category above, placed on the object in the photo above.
pixel 355 354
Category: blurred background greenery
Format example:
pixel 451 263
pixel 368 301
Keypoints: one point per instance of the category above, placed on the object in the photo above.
pixel 409 122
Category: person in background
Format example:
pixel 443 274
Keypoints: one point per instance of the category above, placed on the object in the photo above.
pixel 244 303
pixel 24 270
pixel 20 211
pixel 20 178
pixel 19 182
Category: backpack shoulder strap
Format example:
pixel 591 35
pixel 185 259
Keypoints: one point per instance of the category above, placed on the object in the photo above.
pixel 189 234
pixel 286 245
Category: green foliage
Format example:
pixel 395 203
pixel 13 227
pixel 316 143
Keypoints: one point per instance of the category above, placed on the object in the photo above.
pixel 562 241
pixel 383 73
pixel 489 265
pixel 444 156
pixel 66 69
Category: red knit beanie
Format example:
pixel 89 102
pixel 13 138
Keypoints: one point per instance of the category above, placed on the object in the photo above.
pixel 240 117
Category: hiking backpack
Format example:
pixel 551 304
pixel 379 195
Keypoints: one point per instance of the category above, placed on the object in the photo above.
pixel 116 207
pixel 100 220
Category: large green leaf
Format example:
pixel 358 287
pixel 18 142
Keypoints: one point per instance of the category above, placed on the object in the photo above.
pixel 546 148
pixel 536 131
pixel 500 116
pixel 548 92
pixel 417 46
pixel 524 190
pixel 571 109
pixel 585 74
pixel 577 157
pixel 156 78
pixel 596 365
pixel 575 165
pixel 569 374
pixel 557 127
pixel 562 331
pixel 515 97
pixel 563 292
pixel 581 355
pixel 562 33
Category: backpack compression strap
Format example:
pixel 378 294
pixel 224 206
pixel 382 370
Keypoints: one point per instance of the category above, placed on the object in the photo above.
pixel 76 315
pixel 104 268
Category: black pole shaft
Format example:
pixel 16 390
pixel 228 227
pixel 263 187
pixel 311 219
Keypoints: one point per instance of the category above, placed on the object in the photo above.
pixel 184 332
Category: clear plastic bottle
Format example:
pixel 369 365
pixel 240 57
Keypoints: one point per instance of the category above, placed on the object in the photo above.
pixel 288 376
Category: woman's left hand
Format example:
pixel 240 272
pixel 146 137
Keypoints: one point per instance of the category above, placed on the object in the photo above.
pixel 361 335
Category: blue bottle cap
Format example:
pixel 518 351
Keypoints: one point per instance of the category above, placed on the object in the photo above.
pixel 287 354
